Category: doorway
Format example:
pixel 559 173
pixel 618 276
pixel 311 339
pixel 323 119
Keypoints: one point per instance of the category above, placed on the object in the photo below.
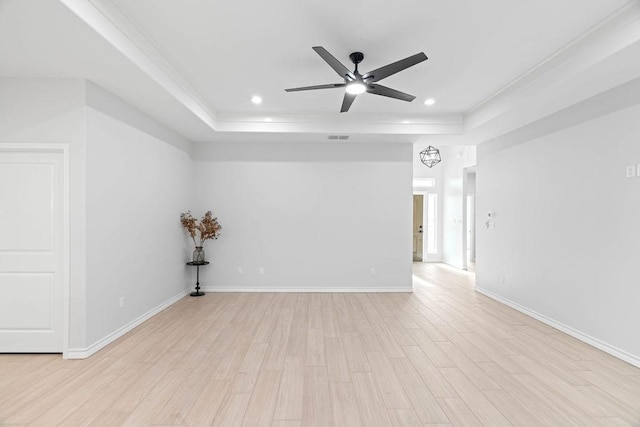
pixel 470 250
pixel 33 249
pixel 418 227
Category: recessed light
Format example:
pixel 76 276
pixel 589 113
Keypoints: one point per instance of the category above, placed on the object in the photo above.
pixel 256 99
pixel 430 101
pixel 267 119
pixel 405 122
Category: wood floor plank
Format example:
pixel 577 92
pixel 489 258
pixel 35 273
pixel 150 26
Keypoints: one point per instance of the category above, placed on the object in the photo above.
pixel 354 352
pixel 370 402
pixel 437 356
pixel 337 365
pixel 545 414
pixel 458 412
pixel 290 392
pixel 404 418
pixel 553 400
pixel 232 411
pixel 155 401
pixel 388 341
pixel 96 404
pixel 287 423
pixel 330 324
pixel 206 404
pixel 192 384
pixel 297 341
pixel 315 316
pixel 473 398
pixel 399 332
pixel 70 403
pixel 387 381
pixel 130 397
pixel 27 410
pixel 278 342
pixel 263 400
pixel 612 405
pixel 629 397
pixel 250 368
pixel 511 408
pixel 316 399
pixel 424 404
pixel 315 355
pixel 470 369
pixel 344 406
pixel 582 402
pixel 429 373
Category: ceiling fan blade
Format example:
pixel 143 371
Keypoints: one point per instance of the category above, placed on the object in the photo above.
pixel 387 70
pixel 327 86
pixel 377 89
pixel 347 101
pixel 334 63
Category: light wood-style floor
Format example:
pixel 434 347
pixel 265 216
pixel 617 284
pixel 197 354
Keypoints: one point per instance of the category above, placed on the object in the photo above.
pixel 443 355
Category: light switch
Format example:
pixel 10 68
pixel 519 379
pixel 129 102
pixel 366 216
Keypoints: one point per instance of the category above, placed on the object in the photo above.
pixel 631 171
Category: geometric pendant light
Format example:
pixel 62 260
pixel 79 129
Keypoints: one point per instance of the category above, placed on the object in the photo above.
pixel 430 156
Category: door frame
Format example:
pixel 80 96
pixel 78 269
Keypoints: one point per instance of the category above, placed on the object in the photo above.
pixel 423 253
pixel 61 148
pixel 465 173
pixel 471 227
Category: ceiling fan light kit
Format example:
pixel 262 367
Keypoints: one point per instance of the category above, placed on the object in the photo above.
pixel 356 83
pixel 430 156
pixel 356 88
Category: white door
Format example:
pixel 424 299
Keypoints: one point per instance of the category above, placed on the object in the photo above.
pixel 31 251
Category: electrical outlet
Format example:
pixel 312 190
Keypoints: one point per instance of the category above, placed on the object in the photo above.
pixel 631 171
pixel 121 302
pixel 372 271
pixel 239 270
pixel 261 270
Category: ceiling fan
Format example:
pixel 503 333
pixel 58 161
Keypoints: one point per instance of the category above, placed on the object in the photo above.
pixel 356 83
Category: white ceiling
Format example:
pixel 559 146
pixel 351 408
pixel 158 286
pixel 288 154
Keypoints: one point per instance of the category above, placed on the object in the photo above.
pixel 207 58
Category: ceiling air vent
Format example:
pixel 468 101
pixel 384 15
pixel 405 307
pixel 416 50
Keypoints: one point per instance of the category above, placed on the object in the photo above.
pixel 340 137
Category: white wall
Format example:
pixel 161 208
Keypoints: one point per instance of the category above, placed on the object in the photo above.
pixel 129 179
pixel 470 187
pixel 454 160
pixel 52 111
pixel 137 186
pixel 314 216
pixel 566 234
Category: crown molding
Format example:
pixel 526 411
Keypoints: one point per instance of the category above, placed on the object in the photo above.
pixel 445 124
pixel 112 25
pixel 611 35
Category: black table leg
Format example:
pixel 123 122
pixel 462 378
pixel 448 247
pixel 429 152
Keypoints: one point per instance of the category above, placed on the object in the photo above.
pixel 197 293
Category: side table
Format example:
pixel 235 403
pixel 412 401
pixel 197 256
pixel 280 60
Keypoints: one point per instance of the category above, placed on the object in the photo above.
pixel 197 293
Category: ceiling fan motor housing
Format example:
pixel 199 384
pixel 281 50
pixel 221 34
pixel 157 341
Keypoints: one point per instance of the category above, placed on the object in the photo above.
pixel 356 57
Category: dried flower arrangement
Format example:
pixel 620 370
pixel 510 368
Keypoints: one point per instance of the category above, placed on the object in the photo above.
pixel 207 228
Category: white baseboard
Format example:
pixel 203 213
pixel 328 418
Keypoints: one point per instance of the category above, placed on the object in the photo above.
pixel 607 348
pixel 83 353
pixel 312 289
